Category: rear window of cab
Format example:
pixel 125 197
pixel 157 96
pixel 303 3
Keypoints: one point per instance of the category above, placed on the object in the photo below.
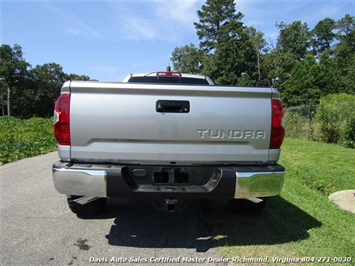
pixel 168 80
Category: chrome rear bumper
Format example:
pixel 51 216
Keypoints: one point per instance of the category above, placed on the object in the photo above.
pixel 110 181
pixel 258 184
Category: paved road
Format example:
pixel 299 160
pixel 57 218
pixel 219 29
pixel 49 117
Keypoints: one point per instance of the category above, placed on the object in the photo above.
pixel 37 227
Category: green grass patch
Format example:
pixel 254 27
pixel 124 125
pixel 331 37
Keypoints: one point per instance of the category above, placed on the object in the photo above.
pixel 300 223
pixel 322 167
pixel 25 138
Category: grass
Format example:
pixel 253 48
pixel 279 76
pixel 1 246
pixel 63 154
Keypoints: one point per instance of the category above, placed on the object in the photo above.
pixel 322 167
pixel 300 223
pixel 25 138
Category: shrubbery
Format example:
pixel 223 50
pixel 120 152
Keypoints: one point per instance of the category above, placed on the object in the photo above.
pixel 332 121
pixel 25 138
pixel 299 123
pixel 336 116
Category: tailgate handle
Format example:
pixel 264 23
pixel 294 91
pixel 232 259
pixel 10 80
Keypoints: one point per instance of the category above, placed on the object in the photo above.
pixel 168 106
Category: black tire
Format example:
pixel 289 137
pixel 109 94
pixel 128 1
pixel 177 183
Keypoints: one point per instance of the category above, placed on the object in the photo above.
pixel 247 207
pixel 91 208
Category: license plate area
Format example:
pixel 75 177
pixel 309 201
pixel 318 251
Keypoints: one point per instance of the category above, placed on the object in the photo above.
pixel 170 176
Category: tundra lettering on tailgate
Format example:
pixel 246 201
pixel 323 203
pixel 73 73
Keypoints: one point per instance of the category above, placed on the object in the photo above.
pixel 231 134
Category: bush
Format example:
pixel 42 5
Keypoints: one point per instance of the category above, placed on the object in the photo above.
pixel 350 132
pixel 336 117
pixel 299 123
pixel 25 138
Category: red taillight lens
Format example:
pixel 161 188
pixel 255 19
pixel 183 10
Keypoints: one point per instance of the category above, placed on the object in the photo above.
pixel 277 131
pixel 169 74
pixel 61 122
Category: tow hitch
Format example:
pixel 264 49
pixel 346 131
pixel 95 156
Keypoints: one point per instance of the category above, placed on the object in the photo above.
pixel 171 204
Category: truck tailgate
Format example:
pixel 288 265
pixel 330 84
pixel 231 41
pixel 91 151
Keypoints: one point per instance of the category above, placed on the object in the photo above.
pixel 120 122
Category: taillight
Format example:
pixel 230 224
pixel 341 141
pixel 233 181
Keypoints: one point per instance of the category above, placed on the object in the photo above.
pixel 277 131
pixel 169 74
pixel 61 119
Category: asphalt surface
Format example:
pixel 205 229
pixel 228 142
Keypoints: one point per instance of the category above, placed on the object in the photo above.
pixel 37 227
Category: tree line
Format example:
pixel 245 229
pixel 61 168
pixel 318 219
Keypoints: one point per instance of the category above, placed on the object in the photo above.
pixel 27 91
pixel 305 64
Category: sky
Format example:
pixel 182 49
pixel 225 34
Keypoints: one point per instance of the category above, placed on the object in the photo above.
pixel 107 40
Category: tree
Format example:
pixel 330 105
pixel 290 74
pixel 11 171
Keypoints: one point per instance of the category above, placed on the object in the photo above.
pixel 268 70
pixel 346 37
pixel 258 43
pixel 188 59
pixel 304 65
pixel 300 87
pixel 77 77
pixel 292 47
pixel 3 94
pixel 218 23
pixel 323 36
pixel 26 91
pixel 294 38
pixel 245 80
pixel 46 80
pixel 13 70
pixel 346 26
pixel 224 39
pixel 281 65
pixel 345 52
pixel 309 81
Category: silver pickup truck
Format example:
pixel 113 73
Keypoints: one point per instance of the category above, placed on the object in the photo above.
pixel 169 137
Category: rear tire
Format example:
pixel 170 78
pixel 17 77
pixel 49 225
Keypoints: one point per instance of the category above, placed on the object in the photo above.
pixel 247 207
pixel 91 208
